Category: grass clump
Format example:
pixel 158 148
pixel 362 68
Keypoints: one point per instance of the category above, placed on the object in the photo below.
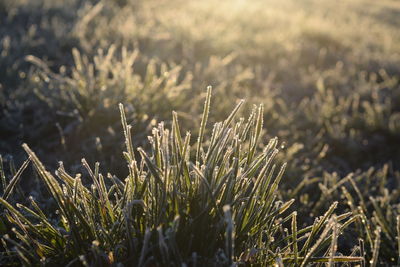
pixel 218 204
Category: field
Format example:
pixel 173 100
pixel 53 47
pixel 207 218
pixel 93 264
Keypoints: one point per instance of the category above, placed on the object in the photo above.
pixel 200 133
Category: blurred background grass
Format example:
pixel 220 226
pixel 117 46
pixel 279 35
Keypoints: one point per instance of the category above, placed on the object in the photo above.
pixel 327 73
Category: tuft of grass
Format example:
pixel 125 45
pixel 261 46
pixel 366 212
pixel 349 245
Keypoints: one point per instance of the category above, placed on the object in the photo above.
pixel 217 204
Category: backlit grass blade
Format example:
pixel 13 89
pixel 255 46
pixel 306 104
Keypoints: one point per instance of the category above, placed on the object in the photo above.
pixel 11 185
pixel 203 123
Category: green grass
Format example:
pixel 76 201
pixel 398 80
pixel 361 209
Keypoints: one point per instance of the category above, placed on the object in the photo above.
pixel 324 78
pixel 215 205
